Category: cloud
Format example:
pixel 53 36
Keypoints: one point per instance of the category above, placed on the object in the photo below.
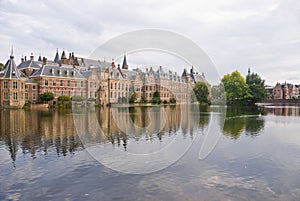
pixel 236 34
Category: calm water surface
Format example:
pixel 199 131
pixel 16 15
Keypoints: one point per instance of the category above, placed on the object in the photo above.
pixel 257 155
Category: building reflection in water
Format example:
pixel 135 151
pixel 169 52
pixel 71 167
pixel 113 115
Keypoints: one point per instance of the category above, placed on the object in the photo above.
pixel 48 132
pixel 282 110
pixel 31 132
pixel 119 124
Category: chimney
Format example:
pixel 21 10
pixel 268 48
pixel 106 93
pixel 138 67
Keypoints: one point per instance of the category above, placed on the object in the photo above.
pixel 31 57
pixel 44 60
pixel 25 58
pixel 22 59
pixel 118 66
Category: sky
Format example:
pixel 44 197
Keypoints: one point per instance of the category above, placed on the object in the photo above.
pixel 263 35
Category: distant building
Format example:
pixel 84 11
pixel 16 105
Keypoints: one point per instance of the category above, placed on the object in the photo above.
pixel 283 91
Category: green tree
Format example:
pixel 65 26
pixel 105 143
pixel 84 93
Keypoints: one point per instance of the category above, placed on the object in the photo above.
pixel 156 98
pixel 64 98
pixel 236 89
pixel 1 66
pixel 133 97
pixel 256 87
pixel 47 96
pixel 78 98
pixel 201 91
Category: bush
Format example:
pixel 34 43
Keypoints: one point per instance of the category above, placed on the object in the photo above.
pixel 173 100
pixel 64 98
pixel 78 98
pixel 47 96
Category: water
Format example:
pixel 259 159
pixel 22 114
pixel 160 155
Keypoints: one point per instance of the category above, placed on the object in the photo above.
pixel 51 155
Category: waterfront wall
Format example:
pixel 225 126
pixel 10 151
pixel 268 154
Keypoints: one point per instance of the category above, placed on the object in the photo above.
pixel 288 101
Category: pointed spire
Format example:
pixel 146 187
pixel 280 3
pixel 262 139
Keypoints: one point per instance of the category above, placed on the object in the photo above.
pixel 11 70
pixel 56 59
pixel 249 72
pixel 63 55
pixel 124 65
pixel 12 52
pixel 40 57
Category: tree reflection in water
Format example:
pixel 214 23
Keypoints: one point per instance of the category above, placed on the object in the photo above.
pixel 243 119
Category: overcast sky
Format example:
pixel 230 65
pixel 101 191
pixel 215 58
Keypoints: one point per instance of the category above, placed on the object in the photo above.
pixel 236 34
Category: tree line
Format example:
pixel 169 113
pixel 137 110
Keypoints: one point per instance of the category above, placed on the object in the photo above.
pixel 234 89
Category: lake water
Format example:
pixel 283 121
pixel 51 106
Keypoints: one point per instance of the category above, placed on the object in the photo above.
pixel 151 153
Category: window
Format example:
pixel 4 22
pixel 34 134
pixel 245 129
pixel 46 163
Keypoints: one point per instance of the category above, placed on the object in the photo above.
pixel 26 96
pixel 118 85
pixel 33 87
pixel 54 82
pixel 91 95
pixel 75 93
pixel 26 86
pixel 61 93
pixel 81 84
pixel 15 85
pixel 5 95
pixel 75 83
pixel 5 85
pixel 115 85
pixel 33 96
pixel 69 83
pixel 95 84
pixel 15 96
pixel 95 94
pixel 61 83
pixel 46 82
pixel 91 84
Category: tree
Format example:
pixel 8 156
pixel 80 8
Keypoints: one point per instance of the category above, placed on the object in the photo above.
pixel 64 98
pixel 1 66
pixel 133 97
pixel 47 96
pixel 156 98
pixel 236 89
pixel 78 98
pixel 202 92
pixel 256 87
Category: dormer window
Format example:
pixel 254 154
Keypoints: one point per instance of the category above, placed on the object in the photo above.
pixel 52 71
pixel 73 73
pixel 59 72
pixel 66 72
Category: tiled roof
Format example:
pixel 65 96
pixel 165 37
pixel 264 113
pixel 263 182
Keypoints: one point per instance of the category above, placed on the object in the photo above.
pixel 11 71
pixel 58 71
pixel 29 64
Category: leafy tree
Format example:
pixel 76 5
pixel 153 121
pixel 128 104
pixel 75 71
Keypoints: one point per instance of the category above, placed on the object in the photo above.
pixel 256 87
pixel 133 97
pixel 1 66
pixel 64 98
pixel 156 98
pixel 202 92
pixel 47 96
pixel 143 99
pixel 173 100
pixel 78 98
pixel 237 90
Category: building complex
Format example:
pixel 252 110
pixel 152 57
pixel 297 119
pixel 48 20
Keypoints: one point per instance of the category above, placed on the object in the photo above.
pixel 100 81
